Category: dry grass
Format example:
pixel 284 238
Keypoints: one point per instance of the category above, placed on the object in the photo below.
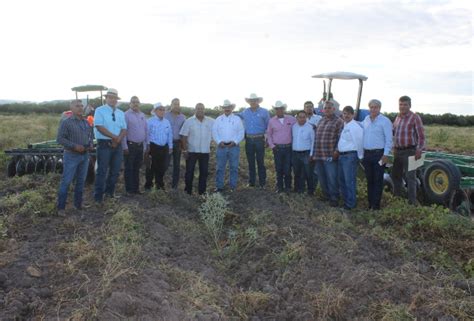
pixel 329 303
pixel 450 138
pixel 247 303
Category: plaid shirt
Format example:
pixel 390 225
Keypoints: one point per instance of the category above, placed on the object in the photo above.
pixel 327 136
pixel 408 131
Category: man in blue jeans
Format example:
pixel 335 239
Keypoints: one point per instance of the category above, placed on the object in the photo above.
pixel 227 132
pixel 349 151
pixel 255 119
pixel 377 146
pixel 110 129
pixel 75 134
pixel 327 135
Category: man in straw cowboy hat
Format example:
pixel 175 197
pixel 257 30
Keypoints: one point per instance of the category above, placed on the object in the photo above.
pixel 279 140
pixel 255 119
pixel 227 132
pixel 110 129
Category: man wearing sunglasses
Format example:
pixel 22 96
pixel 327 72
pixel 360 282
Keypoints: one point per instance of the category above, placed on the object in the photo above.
pixel 110 129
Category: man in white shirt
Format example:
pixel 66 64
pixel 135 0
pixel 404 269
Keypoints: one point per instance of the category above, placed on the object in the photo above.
pixel 349 150
pixel 227 132
pixel 196 135
pixel 302 145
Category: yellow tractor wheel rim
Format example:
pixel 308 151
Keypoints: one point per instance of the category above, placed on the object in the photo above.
pixel 439 181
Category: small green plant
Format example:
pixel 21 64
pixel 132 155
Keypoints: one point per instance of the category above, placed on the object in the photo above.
pixel 292 252
pixel 212 213
pixel 441 135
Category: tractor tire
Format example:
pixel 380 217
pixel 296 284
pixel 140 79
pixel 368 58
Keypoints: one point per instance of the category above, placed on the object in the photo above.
pixel 440 179
pixel 11 168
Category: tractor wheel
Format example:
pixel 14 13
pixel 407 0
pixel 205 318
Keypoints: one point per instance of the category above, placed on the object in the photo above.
pixel 440 179
pixel 11 168
pixel 460 202
pixel 20 167
pixel 30 166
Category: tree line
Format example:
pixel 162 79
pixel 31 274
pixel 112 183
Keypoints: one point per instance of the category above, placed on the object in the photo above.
pixel 61 106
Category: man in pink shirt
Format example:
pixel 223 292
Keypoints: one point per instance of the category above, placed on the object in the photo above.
pixel 279 140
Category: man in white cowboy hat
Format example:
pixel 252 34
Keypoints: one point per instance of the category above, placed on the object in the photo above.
pixel 279 140
pixel 110 129
pixel 227 132
pixel 160 143
pixel 255 119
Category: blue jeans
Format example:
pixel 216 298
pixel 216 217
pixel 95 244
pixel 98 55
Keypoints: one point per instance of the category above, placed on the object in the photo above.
pixel 282 157
pixel 302 172
pixel 327 174
pixel 224 155
pixel 109 161
pixel 374 174
pixel 75 166
pixel 133 162
pixel 347 171
pixel 255 150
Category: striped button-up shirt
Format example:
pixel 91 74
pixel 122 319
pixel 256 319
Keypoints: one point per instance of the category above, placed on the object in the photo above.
pixel 74 131
pixel 160 132
pixel 255 122
pixel 303 137
pixel 176 122
pixel 137 128
pixel 408 131
pixel 279 130
pixel 378 133
pixel 327 135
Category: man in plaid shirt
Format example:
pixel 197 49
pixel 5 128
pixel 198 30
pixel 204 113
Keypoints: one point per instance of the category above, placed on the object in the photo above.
pixel 409 140
pixel 327 136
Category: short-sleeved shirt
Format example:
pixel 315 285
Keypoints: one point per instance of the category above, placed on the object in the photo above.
pixel 112 119
pixel 198 133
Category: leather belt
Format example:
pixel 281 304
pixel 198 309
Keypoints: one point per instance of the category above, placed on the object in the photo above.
pixel 405 147
pixel 255 136
pixel 348 152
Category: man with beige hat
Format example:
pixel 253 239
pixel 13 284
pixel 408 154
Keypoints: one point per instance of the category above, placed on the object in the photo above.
pixel 227 132
pixel 255 119
pixel 110 129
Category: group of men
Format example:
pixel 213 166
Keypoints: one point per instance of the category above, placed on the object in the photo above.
pixel 313 148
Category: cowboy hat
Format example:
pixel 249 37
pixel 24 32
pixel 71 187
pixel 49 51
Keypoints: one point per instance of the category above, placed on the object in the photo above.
pixel 227 104
pixel 157 105
pixel 112 92
pixel 253 97
pixel 279 104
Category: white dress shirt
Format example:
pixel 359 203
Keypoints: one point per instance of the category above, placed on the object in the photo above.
pixel 352 138
pixel 303 137
pixel 198 133
pixel 228 129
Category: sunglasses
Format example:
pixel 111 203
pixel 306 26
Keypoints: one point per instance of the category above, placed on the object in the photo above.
pixel 113 116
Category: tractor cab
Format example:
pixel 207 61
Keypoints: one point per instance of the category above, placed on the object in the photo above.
pixel 90 105
pixel 360 114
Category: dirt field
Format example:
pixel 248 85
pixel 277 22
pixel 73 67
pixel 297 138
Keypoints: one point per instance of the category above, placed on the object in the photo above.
pixel 279 257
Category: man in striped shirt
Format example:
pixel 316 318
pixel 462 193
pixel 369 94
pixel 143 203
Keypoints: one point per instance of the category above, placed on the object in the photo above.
pixel 327 135
pixel 409 140
pixel 75 134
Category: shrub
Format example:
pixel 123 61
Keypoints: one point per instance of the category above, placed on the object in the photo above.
pixel 212 213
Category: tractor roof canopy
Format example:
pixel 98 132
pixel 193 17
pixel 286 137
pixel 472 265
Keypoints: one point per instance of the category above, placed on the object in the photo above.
pixel 341 75
pixel 89 88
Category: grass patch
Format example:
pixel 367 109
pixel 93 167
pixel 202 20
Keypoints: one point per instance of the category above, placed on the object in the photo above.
pixel 387 311
pixel 329 303
pixel 246 303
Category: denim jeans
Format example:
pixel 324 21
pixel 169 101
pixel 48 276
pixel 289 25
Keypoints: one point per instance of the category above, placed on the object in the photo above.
pixel 374 175
pixel 203 159
pixel 327 174
pixel 302 172
pixel 282 157
pixel 75 166
pixel 347 172
pixel 400 171
pixel 255 151
pixel 133 162
pixel 176 163
pixel 109 161
pixel 224 155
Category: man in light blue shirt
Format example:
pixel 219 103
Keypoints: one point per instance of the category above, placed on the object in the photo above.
pixel 255 119
pixel 302 145
pixel 160 142
pixel 110 128
pixel 377 145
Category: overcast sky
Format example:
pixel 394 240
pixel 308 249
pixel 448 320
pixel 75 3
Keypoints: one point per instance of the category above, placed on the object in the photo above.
pixel 208 51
